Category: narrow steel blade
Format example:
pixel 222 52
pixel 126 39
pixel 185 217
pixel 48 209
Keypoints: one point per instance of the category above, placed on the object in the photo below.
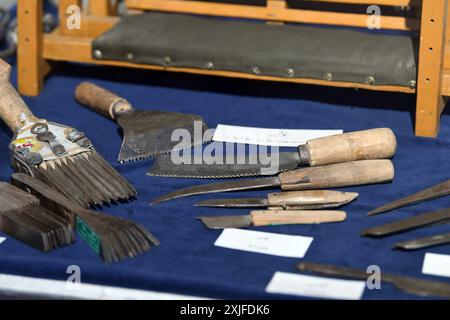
pixel 241 166
pixel 421 220
pixel 440 190
pixel 422 243
pixel 246 184
pixel 224 222
pixel 234 203
pixel 149 133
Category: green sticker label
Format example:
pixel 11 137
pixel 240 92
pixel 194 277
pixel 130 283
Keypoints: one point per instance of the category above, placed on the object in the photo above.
pixel 92 239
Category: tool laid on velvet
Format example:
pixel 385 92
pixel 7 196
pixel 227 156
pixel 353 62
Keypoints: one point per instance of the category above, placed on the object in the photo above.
pixel 379 143
pixel 323 177
pixel 146 133
pixel 112 238
pixel 61 156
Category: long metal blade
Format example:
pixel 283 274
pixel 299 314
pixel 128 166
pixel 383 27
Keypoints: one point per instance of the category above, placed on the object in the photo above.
pixel 407 284
pixel 408 224
pixel 440 190
pixel 241 166
pixel 422 243
pixel 246 184
pixel 224 222
pixel 149 133
pixel 234 203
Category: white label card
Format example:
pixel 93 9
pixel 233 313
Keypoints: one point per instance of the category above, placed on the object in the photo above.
pixel 263 242
pixel 2 239
pixel 268 137
pixel 436 264
pixel 316 287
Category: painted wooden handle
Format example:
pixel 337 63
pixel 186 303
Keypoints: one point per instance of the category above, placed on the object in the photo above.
pixel 378 143
pixel 338 175
pixel 310 197
pixel 13 109
pixel 277 217
pixel 101 100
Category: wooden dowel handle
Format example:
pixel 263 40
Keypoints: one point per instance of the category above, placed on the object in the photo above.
pixel 378 143
pixel 13 109
pixel 278 217
pixel 338 175
pixel 101 100
pixel 310 197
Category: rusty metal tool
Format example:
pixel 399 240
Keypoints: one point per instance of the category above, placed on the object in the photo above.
pixel 146 133
pixel 422 220
pixel 273 217
pixel 24 218
pixel 112 238
pixel 437 191
pixel 59 155
pixel 379 143
pixel 407 284
pixel 294 200
pixel 330 176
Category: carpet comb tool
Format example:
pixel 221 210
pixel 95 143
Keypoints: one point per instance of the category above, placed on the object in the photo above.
pixel 323 177
pixel 379 143
pixel 146 133
pixel 273 217
pixel 112 238
pixel 23 218
pixel 61 156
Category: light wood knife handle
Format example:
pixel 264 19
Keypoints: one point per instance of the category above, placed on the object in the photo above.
pixel 101 100
pixel 338 175
pixel 278 217
pixel 13 109
pixel 378 143
pixel 310 197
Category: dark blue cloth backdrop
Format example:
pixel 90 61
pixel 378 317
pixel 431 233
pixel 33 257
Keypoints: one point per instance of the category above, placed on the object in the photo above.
pixel 187 261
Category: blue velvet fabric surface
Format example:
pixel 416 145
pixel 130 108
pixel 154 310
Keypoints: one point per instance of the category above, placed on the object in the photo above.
pixel 187 262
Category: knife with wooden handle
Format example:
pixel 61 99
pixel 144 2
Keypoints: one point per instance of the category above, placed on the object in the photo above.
pixel 293 200
pixel 273 217
pixel 379 143
pixel 330 176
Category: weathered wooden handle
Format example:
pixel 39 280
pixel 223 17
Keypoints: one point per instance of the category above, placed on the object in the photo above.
pixel 101 100
pixel 277 217
pixel 310 197
pixel 378 143
pixel 13 109
pixel 338 175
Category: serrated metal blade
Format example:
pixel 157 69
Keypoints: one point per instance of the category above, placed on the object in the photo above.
pixel 224 222
pixel 149 133
pixel 242 166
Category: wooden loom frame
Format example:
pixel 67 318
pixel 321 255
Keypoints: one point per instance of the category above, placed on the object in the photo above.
pixel 36 50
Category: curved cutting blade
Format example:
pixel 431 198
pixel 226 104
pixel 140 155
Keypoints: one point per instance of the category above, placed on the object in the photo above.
pixel 246 184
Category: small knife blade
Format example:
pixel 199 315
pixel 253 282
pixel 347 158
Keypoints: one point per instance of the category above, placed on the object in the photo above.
pixel 273 217
pixel 427 242
pixel 437 191
pixel 407 284
pixel 309 178
pixel 403 225
pixel 306 200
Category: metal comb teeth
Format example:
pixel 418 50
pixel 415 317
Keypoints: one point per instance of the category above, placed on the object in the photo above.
pixel 85 178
